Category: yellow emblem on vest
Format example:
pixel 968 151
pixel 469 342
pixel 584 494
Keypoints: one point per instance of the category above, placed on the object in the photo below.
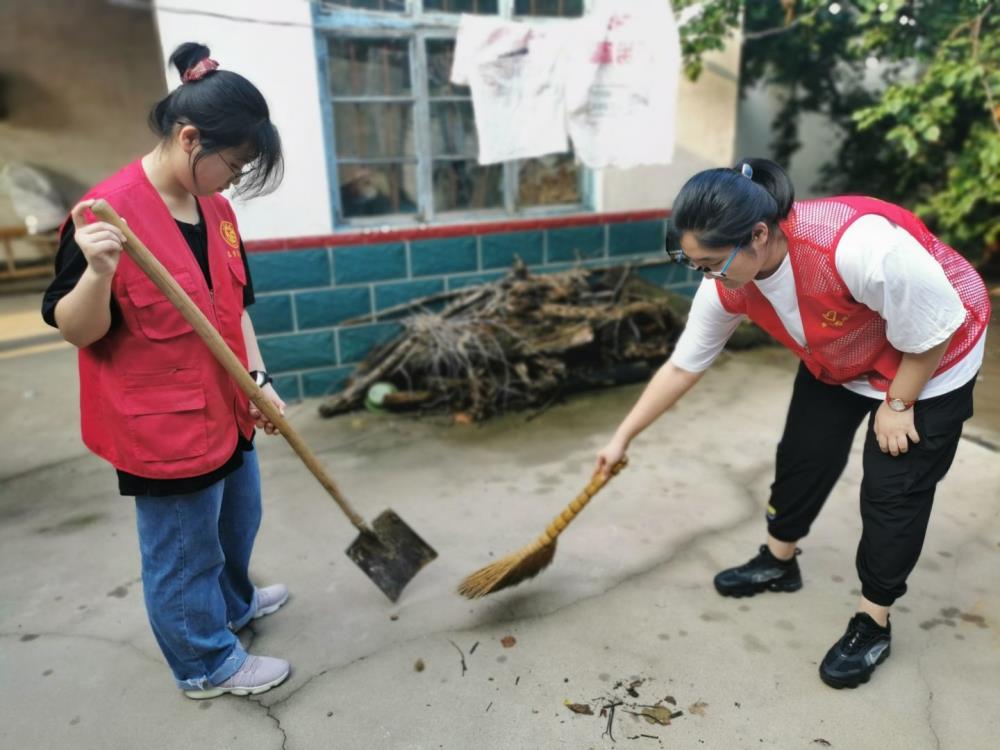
pixel 229 234
pixel 833 319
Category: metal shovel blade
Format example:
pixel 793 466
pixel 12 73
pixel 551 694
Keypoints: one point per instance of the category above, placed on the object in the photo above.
pixel 392 555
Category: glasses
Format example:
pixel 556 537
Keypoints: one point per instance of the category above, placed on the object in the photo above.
pixel 238 172
pixel 678 256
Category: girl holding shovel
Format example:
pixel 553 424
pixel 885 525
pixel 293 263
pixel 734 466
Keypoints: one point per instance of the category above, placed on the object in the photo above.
pixel 888 322
pixel 154 401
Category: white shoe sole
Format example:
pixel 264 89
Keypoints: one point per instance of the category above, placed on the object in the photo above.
pixel 269 610
pixel 200 695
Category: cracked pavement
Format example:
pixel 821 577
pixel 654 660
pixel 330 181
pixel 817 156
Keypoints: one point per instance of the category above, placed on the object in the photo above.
pixel 628 595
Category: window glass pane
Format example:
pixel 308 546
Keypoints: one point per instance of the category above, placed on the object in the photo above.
pixel 453 129
pixel 440 53
pixel 549 180
pixel 561 8
pixel 373 129
pixel 464 185
pixel 394 6
pixel 377 189
pixel 369 67
pixel 462 6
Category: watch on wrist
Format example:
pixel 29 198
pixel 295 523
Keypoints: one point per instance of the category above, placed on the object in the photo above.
pixel 261 378
pixel 898 404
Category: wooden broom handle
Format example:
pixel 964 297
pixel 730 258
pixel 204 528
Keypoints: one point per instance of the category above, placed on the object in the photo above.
pixel 579 503
pixel 166 283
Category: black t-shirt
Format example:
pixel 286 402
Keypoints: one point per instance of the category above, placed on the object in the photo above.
pixel 70 265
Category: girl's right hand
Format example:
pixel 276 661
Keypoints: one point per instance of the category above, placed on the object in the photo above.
pixel 610 455
pixel 100 242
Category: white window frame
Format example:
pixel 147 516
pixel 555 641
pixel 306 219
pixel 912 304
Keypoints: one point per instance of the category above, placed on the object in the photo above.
pixel 418 26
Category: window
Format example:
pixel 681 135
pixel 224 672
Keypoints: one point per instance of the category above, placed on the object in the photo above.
pixel 404 137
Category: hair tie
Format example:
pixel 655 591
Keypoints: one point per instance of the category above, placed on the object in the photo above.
pixel 747 171
pixel 199 70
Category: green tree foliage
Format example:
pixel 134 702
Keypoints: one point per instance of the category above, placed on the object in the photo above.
pixel 914 88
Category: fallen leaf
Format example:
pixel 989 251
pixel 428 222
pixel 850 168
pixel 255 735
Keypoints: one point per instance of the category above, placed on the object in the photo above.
pixel 656 715
pixel 507 641
pixel 419 665
pixel 579 708
pixel 697 708
pixel 671 700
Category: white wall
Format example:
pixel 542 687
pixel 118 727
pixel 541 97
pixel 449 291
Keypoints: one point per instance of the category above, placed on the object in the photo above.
pixel 281 62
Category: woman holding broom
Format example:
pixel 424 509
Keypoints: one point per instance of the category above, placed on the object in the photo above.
pixel 888 323
pixel 154 401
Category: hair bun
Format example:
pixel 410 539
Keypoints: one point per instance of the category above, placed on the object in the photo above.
pixel 187 55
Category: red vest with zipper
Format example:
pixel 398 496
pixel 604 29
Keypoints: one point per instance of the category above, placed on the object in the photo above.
pixel 845 339
pixel 153 399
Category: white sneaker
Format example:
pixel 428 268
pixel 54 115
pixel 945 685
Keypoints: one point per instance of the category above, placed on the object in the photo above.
pixel 257 675
pixel 270 599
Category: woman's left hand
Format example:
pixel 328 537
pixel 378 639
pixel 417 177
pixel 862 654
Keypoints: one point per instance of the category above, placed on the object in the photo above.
pixel 893 428
pixel 263 422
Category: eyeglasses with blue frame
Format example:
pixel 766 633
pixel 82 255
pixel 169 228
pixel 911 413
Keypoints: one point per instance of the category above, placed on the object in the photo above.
pixel 677 255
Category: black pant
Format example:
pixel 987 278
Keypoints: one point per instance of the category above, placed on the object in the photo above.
pixel 897 492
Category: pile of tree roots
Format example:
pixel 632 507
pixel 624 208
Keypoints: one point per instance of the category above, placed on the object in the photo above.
pixel 520 342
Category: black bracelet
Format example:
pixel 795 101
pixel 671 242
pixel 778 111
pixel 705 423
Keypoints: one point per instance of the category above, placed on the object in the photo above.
pixel 261 377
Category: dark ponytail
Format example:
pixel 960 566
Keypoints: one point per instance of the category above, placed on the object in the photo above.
pixel 228 111
pixel 721 206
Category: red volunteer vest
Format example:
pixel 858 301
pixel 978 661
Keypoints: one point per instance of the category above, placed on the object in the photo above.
pixel 845 339
pixel 153 400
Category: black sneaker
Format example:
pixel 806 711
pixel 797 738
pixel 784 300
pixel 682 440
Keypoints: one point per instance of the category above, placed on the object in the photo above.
pixel 852 659
pixel 764 573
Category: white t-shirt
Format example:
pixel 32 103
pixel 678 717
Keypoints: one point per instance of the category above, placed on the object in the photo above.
pixel 884 268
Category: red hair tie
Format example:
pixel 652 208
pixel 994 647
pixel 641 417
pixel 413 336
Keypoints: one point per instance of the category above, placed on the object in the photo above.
pixel 199 70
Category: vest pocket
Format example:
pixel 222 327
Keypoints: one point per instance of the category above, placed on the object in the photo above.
pixel 156 315
pixel 167 422
pixel 238 271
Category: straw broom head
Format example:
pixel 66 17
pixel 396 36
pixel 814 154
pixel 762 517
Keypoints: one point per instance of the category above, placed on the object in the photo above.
pixel 533 559
pixel 510 570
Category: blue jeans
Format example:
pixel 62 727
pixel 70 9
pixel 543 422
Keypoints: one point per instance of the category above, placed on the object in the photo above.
pixel 195 558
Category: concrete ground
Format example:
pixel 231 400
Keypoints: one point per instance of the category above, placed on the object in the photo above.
pixel 627 603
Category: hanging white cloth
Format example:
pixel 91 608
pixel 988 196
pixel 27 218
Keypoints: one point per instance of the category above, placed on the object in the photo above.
pixel 621 85
pixel 609 80
pixel 514 72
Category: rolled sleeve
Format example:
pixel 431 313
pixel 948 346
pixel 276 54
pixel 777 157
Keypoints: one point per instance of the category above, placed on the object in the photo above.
pixel 888 270
pixel 709 326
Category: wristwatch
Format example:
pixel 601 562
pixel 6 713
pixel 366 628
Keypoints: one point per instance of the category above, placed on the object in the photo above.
pixel 261 377
pixel 897 404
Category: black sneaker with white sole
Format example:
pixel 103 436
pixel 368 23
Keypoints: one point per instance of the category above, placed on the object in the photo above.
pixel 852 659
pixel 765 572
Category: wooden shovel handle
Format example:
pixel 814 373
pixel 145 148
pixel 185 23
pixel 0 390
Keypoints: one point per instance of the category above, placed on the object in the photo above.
pixel 579 503
pixel 159 275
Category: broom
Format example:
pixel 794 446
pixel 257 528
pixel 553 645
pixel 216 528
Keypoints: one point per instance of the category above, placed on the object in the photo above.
pixel 533 559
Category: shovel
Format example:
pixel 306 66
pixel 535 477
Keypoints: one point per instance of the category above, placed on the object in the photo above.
pixel 389 552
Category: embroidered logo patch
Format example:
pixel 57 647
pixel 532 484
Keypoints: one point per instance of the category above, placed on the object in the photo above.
pixel 833 319
pixel 229 234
